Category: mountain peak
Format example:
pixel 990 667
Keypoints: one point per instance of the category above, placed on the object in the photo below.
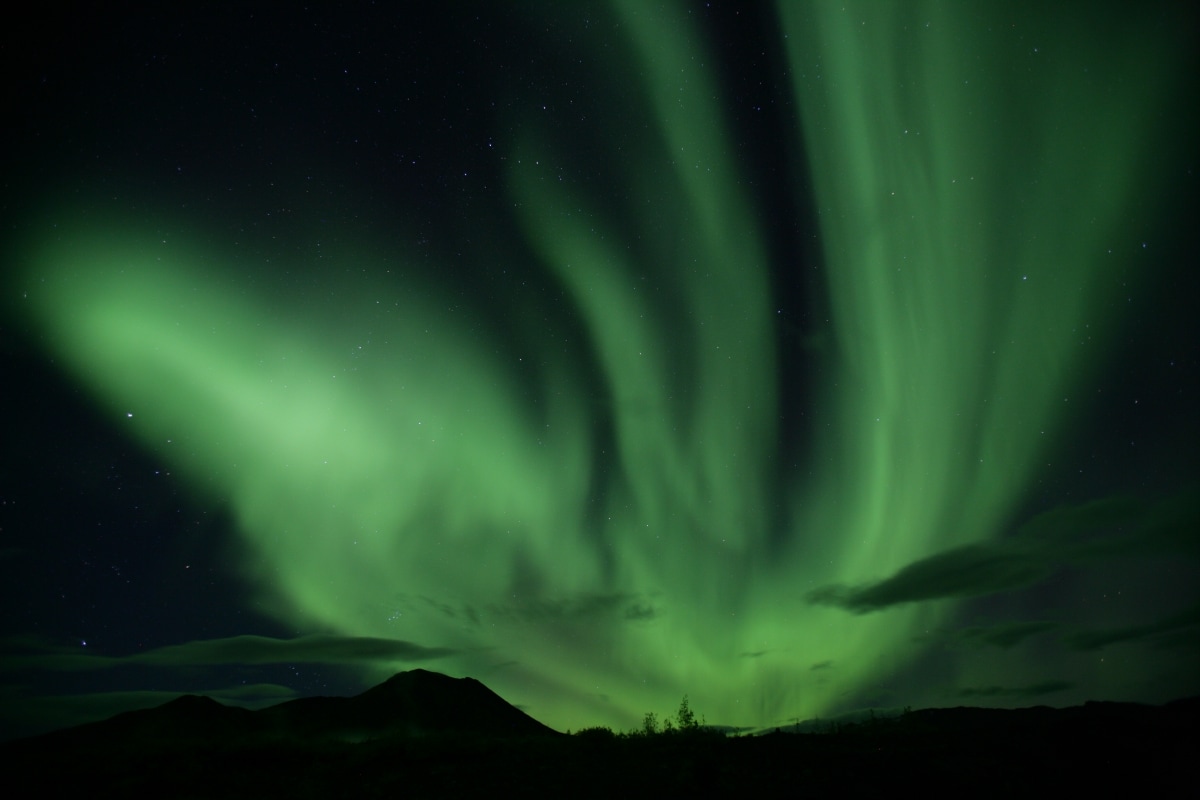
pixel 422 701
pixel 429 678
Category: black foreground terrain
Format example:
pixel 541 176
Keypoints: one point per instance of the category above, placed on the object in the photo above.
pixel 421 734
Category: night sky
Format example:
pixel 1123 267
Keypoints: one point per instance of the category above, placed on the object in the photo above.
pixel 800 358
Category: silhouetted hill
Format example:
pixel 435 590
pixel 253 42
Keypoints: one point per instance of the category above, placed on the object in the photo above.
pixel 415 703
pixel 409 704
pixel 1042 720
pixel 431 702
pixel 308 717
pixel 423 734
pixel 186 719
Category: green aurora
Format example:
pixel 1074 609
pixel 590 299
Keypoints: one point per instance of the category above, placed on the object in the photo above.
pixel 394 476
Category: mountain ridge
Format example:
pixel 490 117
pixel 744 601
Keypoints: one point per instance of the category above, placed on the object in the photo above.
pixel 426 734
pixel 416 703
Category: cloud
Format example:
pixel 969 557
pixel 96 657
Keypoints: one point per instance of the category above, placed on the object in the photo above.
pixel 1008 634
pixel 251 695
pixel 1178 631
pixel 584 606
pixel 1108 528
pixel 639 612
pixel 317 649
pixel 964 572
pixel 313 649
pixel 1032 690
pixel 581 607
pixel 1004 635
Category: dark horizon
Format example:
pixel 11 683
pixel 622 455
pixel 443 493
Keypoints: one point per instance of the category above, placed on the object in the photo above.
pixel 421 703
pixel 423 733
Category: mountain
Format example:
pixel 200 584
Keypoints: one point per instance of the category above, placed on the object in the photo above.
pixel 413 704
pixel 421 734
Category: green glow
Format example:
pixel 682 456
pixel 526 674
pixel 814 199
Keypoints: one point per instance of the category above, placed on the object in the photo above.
pixel 392 477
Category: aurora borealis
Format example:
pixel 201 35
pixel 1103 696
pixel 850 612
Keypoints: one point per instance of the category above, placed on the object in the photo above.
pixel 800 359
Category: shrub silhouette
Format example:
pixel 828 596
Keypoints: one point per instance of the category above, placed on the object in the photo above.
pixel 599 733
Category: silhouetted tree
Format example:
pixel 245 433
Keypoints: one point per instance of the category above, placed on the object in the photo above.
pixel 685 721
pixel 686 717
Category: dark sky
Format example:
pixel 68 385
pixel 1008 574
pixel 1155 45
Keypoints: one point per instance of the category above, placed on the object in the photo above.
pixel 799 360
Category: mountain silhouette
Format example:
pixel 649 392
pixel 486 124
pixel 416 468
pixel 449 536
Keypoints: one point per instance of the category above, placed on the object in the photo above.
pixel 413 704
pixel 423 734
